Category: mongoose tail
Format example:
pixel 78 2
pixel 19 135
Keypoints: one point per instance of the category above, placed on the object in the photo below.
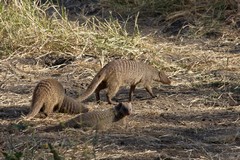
pixel 95 119
pixel 93 85
pixel 34 110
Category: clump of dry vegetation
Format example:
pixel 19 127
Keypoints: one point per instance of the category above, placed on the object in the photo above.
pixel 26 29
pixel 196 42
pixel 198 16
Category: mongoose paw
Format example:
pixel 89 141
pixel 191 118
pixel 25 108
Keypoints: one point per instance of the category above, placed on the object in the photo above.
pixel 154 96
pixel 99 102
pixel 113 103
pixel 26 118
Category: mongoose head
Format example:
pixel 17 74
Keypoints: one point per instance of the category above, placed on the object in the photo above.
pixel 163 78
pixel 123 109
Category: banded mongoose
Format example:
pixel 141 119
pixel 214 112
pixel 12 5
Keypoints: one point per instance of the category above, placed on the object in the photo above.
pixel 123 72
pixel 48 96
pixel 95 119
pixel 71 106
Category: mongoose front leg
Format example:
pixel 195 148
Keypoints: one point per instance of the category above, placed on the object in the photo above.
pixel 132 88
pixel 111 92
pixel 109 99
pixel 149 90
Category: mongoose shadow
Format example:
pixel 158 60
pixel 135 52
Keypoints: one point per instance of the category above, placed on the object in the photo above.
pixel 171 135
pixel 216 134
pixel 19 89
pixel 12 112
pixel 118 73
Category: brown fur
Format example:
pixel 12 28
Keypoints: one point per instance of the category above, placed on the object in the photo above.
pixel 96 119
pixel 71 106
pixel 49 96
pixel 121 72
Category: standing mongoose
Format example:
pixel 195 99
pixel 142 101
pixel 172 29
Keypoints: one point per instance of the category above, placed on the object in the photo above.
pixel 95 119
pixel 124 72
pixel 48 96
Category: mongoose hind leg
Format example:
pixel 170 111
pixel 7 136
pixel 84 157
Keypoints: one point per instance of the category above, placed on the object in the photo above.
pixel 48 109
pixel 57 107
pixel 149 90
pixel 132 88
pixel 100 87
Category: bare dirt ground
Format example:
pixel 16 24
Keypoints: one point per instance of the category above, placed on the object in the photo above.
pixel 197 117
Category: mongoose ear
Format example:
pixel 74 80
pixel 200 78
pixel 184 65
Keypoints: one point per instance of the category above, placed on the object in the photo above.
pixel 118 107
pixel 164 78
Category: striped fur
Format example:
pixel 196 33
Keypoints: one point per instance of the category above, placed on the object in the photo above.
pixel 71 106
pixel 124 72
pixel 96 119
pixel 49 96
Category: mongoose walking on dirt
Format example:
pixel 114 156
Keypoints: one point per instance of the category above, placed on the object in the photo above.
pixel 96 119
pixel 48 96
pixel 123 72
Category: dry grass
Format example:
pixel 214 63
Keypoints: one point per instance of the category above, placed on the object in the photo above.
pixel 31 32
pixel 186 18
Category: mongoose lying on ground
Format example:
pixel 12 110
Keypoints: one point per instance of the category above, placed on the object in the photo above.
pixel 121 72
pixel 95 119
pixel 48 96
pixel 71 106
